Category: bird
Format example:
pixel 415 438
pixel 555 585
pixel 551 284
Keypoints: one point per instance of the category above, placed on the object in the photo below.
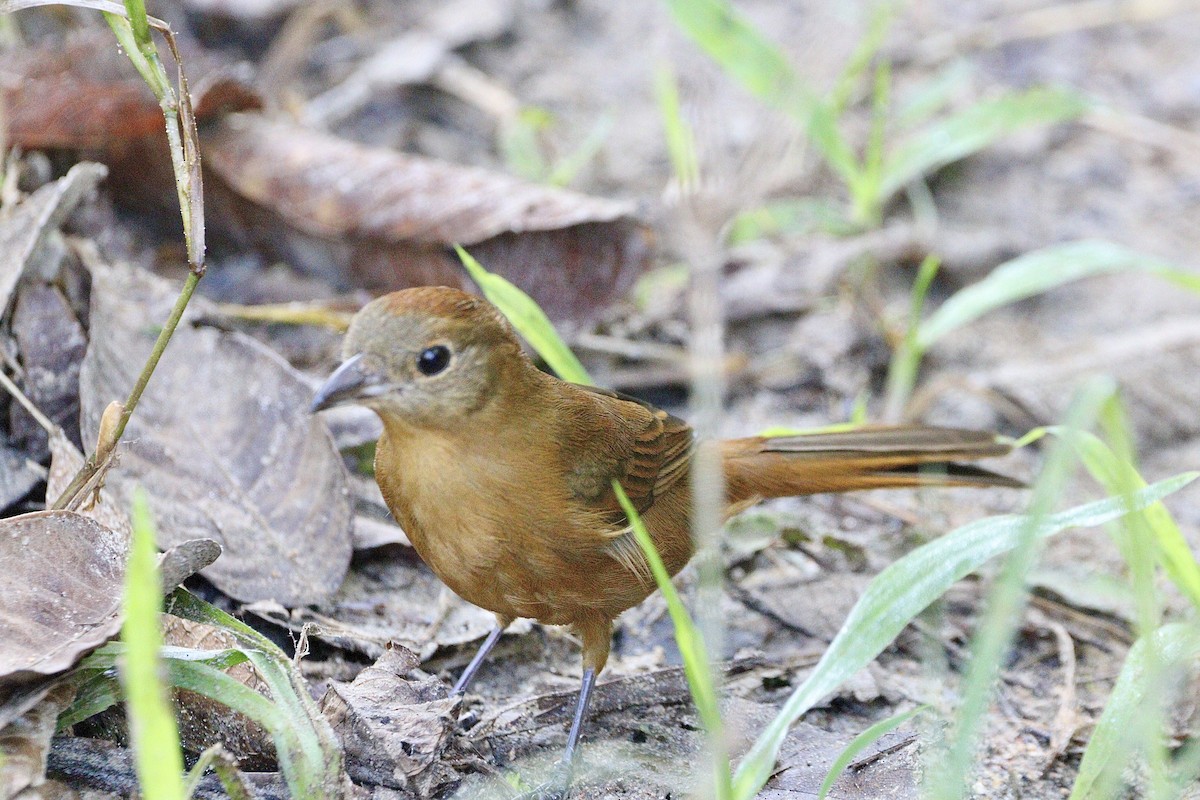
pixel 501 474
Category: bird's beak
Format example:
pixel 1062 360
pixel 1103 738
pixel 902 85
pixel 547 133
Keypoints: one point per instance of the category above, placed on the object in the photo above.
pixel 348 382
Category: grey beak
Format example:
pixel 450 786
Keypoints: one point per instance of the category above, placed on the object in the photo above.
pixel 344 385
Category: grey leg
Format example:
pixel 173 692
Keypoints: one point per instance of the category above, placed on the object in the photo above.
pixel 468 674
pixel 581 707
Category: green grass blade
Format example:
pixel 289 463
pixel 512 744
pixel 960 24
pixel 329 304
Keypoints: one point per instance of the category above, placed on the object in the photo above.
pixel 157 753
pixel 960 135
pixel 1114 473
pixel 865 51
pixel 309 755
pixel 529 320
pixel 906 361
pixel 1004 605
pixel 696 662
pixel 935 94
pixel 790 217
pixel 681 140
pixel 903 590
pixel 96 691
pixel 1109 745
pixel 750 59
pixel 1038 272
pixel 863 741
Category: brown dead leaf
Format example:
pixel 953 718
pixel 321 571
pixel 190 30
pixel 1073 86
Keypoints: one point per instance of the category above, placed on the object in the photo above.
pixel 60 591
pixel 394 728
pixel 185 560
pixel 385 220
pixel 224 444
pixel 24 742
pixel 82 93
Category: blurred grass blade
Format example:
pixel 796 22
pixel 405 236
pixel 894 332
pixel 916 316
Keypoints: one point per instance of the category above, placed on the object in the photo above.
pixel 789 217
pixel 903 590
pixel 529 320
pixel 749 58
pixel 681 140
pixel 963 134
pixel 863 741
pixel 1109 746
pixel 882 14
pixel 1005 602
pixel 935 94
pixel 1113 473
pixel 158 757
pixel 906 361
pixel 1038 272
pixel 696 662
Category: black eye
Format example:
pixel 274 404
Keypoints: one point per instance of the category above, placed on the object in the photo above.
pixel 433 360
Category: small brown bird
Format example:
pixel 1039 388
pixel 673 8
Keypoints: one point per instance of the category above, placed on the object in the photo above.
pixel 501 474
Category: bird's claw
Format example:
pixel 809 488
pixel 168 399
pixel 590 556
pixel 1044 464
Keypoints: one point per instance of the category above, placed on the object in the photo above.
pixel 557 788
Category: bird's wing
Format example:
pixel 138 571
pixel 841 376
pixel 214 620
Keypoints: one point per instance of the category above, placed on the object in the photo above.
pixel 616 436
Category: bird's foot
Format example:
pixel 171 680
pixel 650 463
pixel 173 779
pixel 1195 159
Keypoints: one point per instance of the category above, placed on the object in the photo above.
pixel 558 787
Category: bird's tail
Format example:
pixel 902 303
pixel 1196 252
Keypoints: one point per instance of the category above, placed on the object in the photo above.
pixel 865 458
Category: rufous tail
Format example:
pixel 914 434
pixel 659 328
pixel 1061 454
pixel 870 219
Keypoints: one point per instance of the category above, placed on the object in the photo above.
pixel 865 458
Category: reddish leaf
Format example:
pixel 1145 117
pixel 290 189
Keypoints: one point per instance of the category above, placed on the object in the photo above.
pixel 82 93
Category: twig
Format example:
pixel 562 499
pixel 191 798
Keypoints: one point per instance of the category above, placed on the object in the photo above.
pixel 27 404
pixel 180 120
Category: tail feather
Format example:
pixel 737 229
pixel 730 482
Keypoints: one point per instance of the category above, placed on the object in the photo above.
pixel 867 458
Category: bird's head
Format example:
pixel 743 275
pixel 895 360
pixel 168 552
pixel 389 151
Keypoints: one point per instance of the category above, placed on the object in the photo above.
pixel 427 357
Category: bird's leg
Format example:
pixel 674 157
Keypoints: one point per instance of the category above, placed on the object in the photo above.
pixel 472 669
pixel 581 707
pixel 597 636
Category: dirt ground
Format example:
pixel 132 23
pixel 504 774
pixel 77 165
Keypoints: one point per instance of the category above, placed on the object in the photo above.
pixel 807 326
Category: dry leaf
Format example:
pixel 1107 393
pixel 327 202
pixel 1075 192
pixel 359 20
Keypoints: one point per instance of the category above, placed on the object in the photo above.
pixel 60 591
pixel 18 476
pixel 390 596
pixel 224 444
pixel 394 728
pixel 1154 363
pixel 386 219
pixel 50 344
pixel 29 230
pixel 24 742
pixel 82 93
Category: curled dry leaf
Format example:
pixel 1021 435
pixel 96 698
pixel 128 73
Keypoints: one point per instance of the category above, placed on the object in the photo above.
pixel 386 219
pixel 224 444
pixel 60 591
pixel 394 727
pixel 184 560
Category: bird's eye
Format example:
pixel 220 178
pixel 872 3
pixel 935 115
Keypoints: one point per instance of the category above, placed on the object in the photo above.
pixel 433 360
